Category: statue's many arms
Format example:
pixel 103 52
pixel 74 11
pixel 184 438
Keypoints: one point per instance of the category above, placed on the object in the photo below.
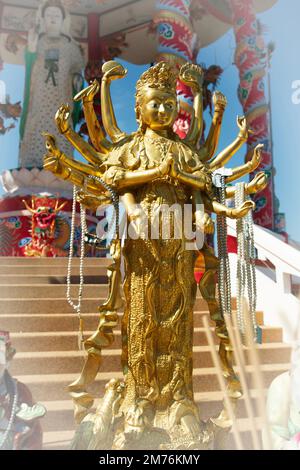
pixel 152 167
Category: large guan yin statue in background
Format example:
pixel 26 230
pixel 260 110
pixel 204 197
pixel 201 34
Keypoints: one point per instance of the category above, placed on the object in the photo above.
pixel 53 73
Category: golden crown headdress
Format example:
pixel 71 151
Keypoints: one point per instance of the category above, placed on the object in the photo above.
pixel 161 76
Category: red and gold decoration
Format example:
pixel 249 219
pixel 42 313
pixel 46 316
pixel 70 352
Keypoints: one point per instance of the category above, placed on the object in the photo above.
pixel 251 60
pixel 176 45
pixel 44 213
pixel 39 226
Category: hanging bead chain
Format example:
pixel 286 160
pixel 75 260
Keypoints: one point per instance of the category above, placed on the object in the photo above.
pixel 77 307
pixel 115 220
pixel 224 286
pixel 12 416
pixel 246 275
pixel 115 201
pixel 239 198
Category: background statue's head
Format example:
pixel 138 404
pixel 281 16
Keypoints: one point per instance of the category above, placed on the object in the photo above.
pixel 156 99
pixel 53 14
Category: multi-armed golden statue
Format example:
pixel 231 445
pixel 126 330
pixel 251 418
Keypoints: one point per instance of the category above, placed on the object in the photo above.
pixel 148 169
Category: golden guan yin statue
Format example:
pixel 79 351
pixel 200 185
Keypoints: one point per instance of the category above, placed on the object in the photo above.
pixel 154 407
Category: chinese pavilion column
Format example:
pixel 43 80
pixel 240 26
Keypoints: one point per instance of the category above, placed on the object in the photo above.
pixel 251 61
pixel 176 41
pixel 93 67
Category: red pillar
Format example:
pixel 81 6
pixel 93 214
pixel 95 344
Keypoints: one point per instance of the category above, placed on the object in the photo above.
pixel 93 68
pixel 176 45
pixel 251 61
pixel 95 52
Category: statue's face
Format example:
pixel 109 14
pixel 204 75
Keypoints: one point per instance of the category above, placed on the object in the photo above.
pixel 158 109
pixel 54 20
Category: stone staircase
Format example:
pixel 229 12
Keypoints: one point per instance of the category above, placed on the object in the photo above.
pixel 44 329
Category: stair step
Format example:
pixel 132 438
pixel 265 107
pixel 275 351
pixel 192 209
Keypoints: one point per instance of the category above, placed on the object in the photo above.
pixel 57 362
pixel 50 291
pixel 60 413
pixel 68 340
pixel 35 322
pixel 60 304
pixel 205 382
pixel 56 291
pixel 48 262
pixel 44 330
pixel 21 279
pixel 54 440
pixel 51 270
pixel 43 322
pixel 62 417
pixel 60 440
pixel 271 334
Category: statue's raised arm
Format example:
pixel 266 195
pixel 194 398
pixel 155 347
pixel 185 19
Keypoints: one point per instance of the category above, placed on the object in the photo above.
pixel 192 76
pixel 223 157
pixel 212 140
pixel 257 184
pixel 68 169
pixel 95 130
pixel 62 119
pixel 249 167
pixel 111 71
pixel 62 160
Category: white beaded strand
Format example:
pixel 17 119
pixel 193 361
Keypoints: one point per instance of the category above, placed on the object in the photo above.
pixel 77 307
pixel 240 273
pixel 115 201
pixel 115 220
pixel 12 416
pixel 224 285
pixel 246 275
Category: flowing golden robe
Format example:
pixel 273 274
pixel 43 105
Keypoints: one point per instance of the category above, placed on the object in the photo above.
pixel 160 290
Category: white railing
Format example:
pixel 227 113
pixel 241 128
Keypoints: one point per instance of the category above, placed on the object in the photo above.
pixel 274 286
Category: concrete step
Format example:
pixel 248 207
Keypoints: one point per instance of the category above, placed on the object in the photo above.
pixel 60 440
pixel 198 318
pixel 35 322
pixel 205 380
pixel 50 291
pixel 43 322
pixel 51 270
pixel 57 362
pixel 54 440
pixel 61 362
pixel 68 340
pixel 52 305
pixel 44 331
pixel 46 305
pixel 52 341
pixel 60 413
pixel 34 262
pixel 21 279
pixel 270 334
